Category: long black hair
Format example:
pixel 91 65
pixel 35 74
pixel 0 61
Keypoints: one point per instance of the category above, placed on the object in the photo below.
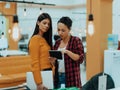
pixel 47 35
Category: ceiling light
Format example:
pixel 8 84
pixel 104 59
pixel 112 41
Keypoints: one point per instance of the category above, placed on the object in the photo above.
pixel 16 29
pixel 41 11
pixel 25 12
pixel 90 21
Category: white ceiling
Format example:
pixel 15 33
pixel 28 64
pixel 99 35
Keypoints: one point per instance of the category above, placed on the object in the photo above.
pixel 66 4
pixel 58 2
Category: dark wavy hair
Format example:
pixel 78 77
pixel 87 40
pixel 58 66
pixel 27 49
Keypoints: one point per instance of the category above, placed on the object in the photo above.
pixel 66 20
pixel 47 35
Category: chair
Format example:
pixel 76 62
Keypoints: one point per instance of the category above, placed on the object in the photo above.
pixel 92 84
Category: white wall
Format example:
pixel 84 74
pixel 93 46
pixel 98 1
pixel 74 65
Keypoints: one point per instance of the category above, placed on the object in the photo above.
pixel 116 17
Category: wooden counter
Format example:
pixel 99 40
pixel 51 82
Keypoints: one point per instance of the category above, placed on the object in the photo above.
pixel 13 70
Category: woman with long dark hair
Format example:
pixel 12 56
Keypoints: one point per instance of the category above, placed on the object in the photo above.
pixel 39 46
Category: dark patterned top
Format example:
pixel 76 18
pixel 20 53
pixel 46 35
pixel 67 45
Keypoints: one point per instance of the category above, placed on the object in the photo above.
pixel 72 68
pixel 118 45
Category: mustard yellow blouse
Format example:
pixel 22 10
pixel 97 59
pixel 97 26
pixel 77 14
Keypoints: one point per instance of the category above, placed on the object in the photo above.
pixel 38 49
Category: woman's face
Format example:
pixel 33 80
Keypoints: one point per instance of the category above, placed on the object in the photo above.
pixel 44 25
pixel 63 30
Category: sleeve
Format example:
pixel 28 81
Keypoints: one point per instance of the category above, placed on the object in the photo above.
pixel 56 45
pixel 79 49
pixel 34 53
pixel 118 41
pixel 118 37
pixel 118 45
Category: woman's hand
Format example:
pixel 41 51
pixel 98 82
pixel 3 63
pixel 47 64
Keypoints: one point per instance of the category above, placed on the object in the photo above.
pixel 64 51
pixel 52 60
pixel 41 87
pixel 72 55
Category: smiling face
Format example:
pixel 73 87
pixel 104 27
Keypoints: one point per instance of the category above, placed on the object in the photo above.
pixel 44 25
pixel 63 30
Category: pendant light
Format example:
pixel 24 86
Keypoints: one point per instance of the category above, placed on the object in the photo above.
pixel 25 12
pixel 41 10
pixel 90 21
pixel 16 29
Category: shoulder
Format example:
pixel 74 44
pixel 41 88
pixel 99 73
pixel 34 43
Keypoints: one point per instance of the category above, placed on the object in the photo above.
pixel 36 37
pixel 75 38
pixel 58 40
pixel 57 43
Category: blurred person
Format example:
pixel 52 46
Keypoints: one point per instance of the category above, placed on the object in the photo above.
pixel 118 45
pixel 118 42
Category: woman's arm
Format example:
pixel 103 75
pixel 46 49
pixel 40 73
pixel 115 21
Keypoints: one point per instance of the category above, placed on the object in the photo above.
pixel 72 55
pixel 34 54
pixel 76 50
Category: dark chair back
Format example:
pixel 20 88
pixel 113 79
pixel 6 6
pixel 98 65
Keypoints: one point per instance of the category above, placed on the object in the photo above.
pixel 92 84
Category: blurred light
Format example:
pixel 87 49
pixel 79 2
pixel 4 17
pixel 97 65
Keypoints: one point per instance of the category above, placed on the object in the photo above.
pixel 25 12
pixel 90 21
pixel 41 11
pixel 90 28
pixel 7 5
pixel 9 31
pixel 16 29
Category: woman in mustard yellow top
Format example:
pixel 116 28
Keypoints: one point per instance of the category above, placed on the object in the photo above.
pixel 39 45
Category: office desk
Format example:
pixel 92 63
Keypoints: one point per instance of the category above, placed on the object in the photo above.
pixel 5 53
pixel 13 70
